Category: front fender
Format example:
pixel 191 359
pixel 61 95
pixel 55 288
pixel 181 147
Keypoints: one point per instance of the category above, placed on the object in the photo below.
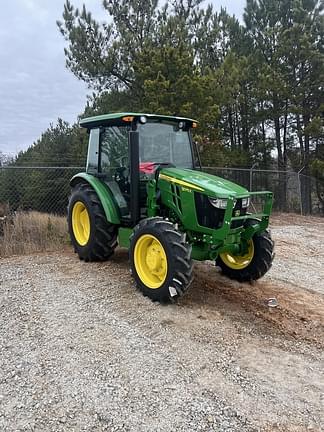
pixel 104 194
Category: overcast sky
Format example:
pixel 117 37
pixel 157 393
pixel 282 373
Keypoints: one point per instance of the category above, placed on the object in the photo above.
pixel 35 87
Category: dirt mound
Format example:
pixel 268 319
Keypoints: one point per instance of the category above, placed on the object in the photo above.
pixel 299 314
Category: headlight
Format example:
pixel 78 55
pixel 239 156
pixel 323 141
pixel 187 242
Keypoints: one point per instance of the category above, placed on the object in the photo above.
pixel 218 202
pixel 245 202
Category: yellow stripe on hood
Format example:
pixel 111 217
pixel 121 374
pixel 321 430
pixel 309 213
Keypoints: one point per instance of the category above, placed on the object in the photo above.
pixel 180 182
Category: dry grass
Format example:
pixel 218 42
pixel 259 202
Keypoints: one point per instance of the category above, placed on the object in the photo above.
pixel 28 232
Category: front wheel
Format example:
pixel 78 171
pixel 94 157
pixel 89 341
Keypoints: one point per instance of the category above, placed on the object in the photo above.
pixel 160 260
pixel 253 264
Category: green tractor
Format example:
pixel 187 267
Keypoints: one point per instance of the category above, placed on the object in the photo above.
pixel 143 189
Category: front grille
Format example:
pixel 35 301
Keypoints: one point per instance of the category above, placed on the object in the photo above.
pixel 176 197
pixel 212 217
pixel 207 215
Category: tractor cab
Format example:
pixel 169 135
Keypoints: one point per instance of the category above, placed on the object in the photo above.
pixel 127 150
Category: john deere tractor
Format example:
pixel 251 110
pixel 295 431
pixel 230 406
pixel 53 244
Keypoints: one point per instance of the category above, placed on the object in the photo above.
pixel 143 189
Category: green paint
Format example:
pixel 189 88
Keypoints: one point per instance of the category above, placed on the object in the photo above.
pixel 116 119
pixel 104 194
pixel 152 206
pixel 123 236
pixel 212 185
pixel 200 252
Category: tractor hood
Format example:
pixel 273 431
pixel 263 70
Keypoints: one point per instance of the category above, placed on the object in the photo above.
pixel 203 182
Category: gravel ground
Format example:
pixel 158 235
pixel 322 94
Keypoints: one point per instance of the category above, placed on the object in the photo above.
pixel 82 350
pixel 300 245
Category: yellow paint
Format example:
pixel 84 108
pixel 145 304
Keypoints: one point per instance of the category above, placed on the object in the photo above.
pixel 80 223
pixel 238 262
pixel 180 182
pixel 150 261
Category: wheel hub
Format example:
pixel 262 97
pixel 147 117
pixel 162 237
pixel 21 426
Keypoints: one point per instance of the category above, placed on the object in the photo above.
pixel 239 262
pixel 150 261
pixel 81 223
pixel 153 258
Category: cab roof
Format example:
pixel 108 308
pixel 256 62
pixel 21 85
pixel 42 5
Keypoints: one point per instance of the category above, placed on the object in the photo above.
pixel 120 119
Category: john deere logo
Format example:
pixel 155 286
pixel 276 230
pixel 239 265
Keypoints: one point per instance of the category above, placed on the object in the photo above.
pixel 237 213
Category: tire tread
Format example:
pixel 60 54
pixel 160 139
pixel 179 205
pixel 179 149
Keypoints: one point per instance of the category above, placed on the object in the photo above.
pixel 181 259
pixel 104 239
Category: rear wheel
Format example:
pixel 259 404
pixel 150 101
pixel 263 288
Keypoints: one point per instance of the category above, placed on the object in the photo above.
pixel 160 260
pixel 254 263
pixel 93 238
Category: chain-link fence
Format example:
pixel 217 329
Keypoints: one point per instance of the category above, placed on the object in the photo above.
pixel 46 189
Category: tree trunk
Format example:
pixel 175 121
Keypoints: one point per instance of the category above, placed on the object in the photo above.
pixel 238 129
pixel 306 184
pixel 300 138
pixel 282 187
pixel 264 144
pixel 245 128
pixel 320 196
pixel 231 128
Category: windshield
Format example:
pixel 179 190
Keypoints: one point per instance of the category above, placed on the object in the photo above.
pixel 164 143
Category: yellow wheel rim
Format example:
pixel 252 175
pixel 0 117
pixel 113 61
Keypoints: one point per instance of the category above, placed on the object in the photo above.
pixel 81 223
pixel 238 262
pixel 150 261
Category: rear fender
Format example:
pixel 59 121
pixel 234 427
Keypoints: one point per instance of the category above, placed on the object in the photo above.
pixel 104 194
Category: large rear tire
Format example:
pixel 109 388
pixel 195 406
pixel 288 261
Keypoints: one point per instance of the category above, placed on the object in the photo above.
pixel 252 265
pixel 93 237
pixel 160 260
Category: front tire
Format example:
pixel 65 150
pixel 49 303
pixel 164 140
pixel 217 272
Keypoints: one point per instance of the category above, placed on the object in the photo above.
pixel 160 260
pixel 92 236
pixel 254 264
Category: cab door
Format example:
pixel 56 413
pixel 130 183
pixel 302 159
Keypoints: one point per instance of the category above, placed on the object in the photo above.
pixel 114 165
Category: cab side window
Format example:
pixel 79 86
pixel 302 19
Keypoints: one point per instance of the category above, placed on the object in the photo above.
pixel 93 152
pixel 114 150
